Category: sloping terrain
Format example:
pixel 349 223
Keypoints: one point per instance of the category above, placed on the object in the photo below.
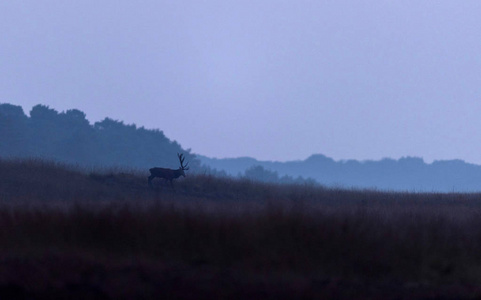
pixel 69 233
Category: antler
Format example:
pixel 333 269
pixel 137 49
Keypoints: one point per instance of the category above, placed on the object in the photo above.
pixel 181 159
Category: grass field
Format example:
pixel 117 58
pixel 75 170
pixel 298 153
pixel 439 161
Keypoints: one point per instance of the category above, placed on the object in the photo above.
pixel 68 233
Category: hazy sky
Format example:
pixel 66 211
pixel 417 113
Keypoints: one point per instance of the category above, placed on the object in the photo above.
pixel 273 79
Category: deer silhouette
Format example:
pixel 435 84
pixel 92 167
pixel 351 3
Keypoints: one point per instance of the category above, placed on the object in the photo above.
pixel 169 174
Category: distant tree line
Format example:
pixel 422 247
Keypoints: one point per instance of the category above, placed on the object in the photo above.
pixel 259 173
pixel 69 137
pixel 403 174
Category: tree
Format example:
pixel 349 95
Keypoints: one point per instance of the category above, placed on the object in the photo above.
pixel 258 173
pixel 14 131
pixel 69 137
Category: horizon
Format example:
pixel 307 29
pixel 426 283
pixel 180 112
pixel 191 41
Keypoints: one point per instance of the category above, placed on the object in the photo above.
pixel 27 113
pixel 272 80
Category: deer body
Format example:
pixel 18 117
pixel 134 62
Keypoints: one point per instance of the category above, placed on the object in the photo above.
pixel 168 174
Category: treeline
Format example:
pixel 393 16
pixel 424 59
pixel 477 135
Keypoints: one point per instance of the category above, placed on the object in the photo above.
pixel 259 173
pixel 404 174
pixel 70 138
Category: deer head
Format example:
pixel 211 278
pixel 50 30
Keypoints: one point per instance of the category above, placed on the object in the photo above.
pixel 182 168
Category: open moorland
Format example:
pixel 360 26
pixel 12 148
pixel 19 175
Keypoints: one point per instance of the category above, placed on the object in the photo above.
pixel 70 233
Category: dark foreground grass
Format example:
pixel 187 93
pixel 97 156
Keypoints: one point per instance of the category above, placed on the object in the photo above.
pixel 71 234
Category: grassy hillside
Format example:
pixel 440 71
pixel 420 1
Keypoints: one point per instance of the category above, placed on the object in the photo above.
pixel 72 233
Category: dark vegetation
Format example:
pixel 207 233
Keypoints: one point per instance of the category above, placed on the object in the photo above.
pixel 259 173
pixel 69 137
pixel 99 234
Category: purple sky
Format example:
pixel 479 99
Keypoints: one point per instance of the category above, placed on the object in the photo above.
pixel 276 80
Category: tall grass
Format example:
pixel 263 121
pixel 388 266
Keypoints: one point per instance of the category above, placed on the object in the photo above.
pixel 269 240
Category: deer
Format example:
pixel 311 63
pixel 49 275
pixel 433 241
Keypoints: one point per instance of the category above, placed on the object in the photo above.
pixel 169 174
